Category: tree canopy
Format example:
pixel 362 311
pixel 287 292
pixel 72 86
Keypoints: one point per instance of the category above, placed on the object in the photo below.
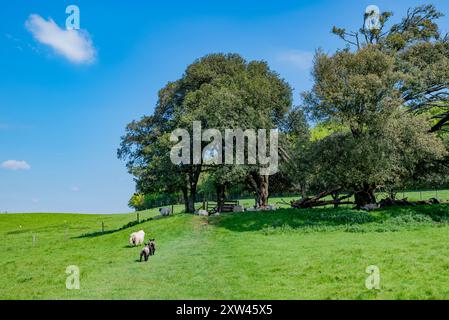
pixel 379 109
pixel 369 94
pixel 221 91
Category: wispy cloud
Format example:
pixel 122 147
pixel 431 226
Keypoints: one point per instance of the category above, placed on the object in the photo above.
pixel 18 44
pixel 15 165
pixel 3 126
pixel 75 189
pixel 74 45
pixel 302 60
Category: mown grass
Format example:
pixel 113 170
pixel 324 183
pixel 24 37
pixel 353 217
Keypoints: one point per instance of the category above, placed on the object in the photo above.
pixel 288 254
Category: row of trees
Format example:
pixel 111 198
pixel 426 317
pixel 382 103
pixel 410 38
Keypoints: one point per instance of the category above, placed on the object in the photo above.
pixel 379 108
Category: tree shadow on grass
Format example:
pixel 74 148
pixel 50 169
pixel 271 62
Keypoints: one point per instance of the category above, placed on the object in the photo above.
pixel 106 232
pixel 143 261
pixel 436 212
pixel 292 218
pixel 328 218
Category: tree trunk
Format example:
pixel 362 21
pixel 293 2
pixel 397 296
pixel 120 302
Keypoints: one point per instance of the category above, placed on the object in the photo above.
pixel 191 186
pixel 262 193
pixel 259 184
pixel 185 196
pixel 335 197
pixel 221 194
pixel 192 195
pixel 392 195
pixel 303 191
pixel 192 198
pixel 365 196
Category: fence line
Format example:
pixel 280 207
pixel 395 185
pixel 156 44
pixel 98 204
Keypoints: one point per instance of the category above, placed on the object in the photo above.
pixel 416 194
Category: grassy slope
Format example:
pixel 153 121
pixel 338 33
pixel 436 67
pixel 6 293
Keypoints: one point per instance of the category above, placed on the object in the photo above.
pixel 289 254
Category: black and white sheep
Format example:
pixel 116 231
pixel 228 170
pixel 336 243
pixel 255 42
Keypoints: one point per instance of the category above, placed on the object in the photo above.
pixel 148 250
pixel 152 244
pixel 165 211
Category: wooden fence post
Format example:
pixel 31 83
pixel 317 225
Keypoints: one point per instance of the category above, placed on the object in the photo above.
pixel 172 209
pixel 138 217
pixel 102 226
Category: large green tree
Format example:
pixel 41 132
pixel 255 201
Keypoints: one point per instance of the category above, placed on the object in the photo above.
pixel 219 91
pixel 366 89
pixel 421 53
pixel 294 142
pixel 378 143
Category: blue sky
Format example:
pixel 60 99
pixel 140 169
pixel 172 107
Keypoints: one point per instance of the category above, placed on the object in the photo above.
pixel 62 111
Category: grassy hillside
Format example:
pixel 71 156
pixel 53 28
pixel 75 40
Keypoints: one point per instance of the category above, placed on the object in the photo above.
pixel 289 254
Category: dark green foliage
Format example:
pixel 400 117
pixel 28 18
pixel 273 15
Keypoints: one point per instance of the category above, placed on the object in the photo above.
pixel 365 94
pixel 421 53
pixel 222 91
pixel 319 220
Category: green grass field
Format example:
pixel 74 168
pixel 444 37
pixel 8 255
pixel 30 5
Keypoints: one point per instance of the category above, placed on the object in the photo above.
pixel 288 254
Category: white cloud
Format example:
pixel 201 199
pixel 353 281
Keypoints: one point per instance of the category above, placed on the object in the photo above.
pixel 3 126
pixel 15 165
pixel 75 189
pixel 34 200
pixel 74 45
pixel 302 60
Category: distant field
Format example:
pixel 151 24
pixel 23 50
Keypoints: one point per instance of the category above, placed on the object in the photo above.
pixel 288 254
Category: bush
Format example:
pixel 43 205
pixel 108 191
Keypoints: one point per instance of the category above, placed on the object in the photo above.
pixel 137 202
pixel 141 201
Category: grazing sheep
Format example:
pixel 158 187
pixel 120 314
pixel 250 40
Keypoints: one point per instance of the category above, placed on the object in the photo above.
pixel 165 211
pixel 202 212
pixel 148 250
pixel 152 245
pixel 270 207
pixel 137 238
pixel 371 206
pixel 145 252
pixel 238 209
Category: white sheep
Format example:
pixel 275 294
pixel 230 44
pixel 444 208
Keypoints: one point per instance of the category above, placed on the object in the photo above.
pixel 238 209
pixel 137 238
pixel 165 211
pixel 202 212
pixel 370 206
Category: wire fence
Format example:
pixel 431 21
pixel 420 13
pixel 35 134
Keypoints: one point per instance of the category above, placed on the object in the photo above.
pixel 409 194
pixel 248 197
